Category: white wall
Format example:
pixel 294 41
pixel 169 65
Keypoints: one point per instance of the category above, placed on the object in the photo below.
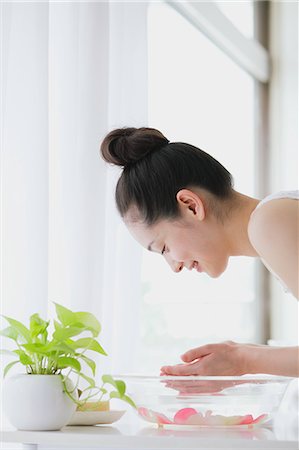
pixel 283 142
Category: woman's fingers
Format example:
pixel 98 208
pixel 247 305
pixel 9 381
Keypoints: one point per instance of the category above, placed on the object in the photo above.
pixel 192 358
pixel 198 352
pixel 183 369
pixel 205 350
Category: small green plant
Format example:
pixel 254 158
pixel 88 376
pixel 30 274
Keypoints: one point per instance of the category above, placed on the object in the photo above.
pixel 64 353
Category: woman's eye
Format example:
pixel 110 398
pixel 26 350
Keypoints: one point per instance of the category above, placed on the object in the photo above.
pixel 163 250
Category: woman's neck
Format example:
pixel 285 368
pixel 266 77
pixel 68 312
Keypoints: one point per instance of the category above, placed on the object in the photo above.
pixel 236 228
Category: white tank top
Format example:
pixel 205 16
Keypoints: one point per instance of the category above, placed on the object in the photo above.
pixel 281 194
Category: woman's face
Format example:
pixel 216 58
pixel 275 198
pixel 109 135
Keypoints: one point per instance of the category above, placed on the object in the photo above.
pixel 196 241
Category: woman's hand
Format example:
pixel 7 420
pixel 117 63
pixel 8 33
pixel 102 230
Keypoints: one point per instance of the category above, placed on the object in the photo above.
pixel 226 358
pixel 230 358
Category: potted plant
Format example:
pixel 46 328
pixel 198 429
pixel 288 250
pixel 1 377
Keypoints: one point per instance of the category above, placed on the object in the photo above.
pixel 47 395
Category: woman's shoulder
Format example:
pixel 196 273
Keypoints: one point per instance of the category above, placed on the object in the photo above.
pixel 273 232
pixel 276 213
pixel 274 216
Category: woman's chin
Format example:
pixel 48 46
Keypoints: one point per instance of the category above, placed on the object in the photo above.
pixel 215 272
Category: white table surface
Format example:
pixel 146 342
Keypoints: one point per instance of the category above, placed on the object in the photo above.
pixel 131 433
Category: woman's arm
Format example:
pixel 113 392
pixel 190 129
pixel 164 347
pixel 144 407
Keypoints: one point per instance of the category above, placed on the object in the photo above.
pixel 274 360
pixel 273 231
pixel 230 358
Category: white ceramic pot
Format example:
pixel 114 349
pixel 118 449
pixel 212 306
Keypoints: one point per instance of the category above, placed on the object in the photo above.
pixel 37 402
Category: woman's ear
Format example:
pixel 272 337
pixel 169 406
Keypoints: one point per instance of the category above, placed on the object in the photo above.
pixel 189 201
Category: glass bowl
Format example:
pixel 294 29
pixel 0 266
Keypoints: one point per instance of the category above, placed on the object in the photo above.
pixel 244 401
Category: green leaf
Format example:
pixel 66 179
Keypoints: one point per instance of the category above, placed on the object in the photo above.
pixel 57 325
pixel 25 359
pixel 103 390
pixel 10 332
pixel 66 361
pixel 108 379
pixel 36 347
pixel 38 327
pixel 61 347
pixel 89 321
pixel 35 320
pixel 65 333
pixel 86 319
pixel 66 316
pixel 89 362
pixel 90 344
pixel 19 328
pixel 125 398
pixel 49 349
pixel 8 367
pixel 118 384
pixel 121 386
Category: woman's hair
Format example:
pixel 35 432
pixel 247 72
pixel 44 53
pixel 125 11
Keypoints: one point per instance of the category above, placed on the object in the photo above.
pixel 154 170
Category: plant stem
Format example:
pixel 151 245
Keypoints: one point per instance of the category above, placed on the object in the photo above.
pixel 68 392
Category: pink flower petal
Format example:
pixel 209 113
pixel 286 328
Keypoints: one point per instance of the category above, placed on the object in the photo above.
pixel 183 415
pixel 153 416
pixel 246 420
pixel 162 419
pixel 261 418
pixel 233 420
pixel 143 412
pixel 189 416
pixel 216 420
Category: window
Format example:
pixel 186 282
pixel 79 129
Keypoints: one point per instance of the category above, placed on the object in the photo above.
pixel 197 94
pixel 240 13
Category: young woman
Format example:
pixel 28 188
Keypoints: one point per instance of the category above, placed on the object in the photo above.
pixel 177 200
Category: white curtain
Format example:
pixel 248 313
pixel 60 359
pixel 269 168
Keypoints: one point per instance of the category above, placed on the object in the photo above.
pixel 127 106
pixel 71 71
pixel 24 158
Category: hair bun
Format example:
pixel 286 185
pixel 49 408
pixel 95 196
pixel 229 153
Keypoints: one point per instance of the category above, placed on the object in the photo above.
pixel 125 146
